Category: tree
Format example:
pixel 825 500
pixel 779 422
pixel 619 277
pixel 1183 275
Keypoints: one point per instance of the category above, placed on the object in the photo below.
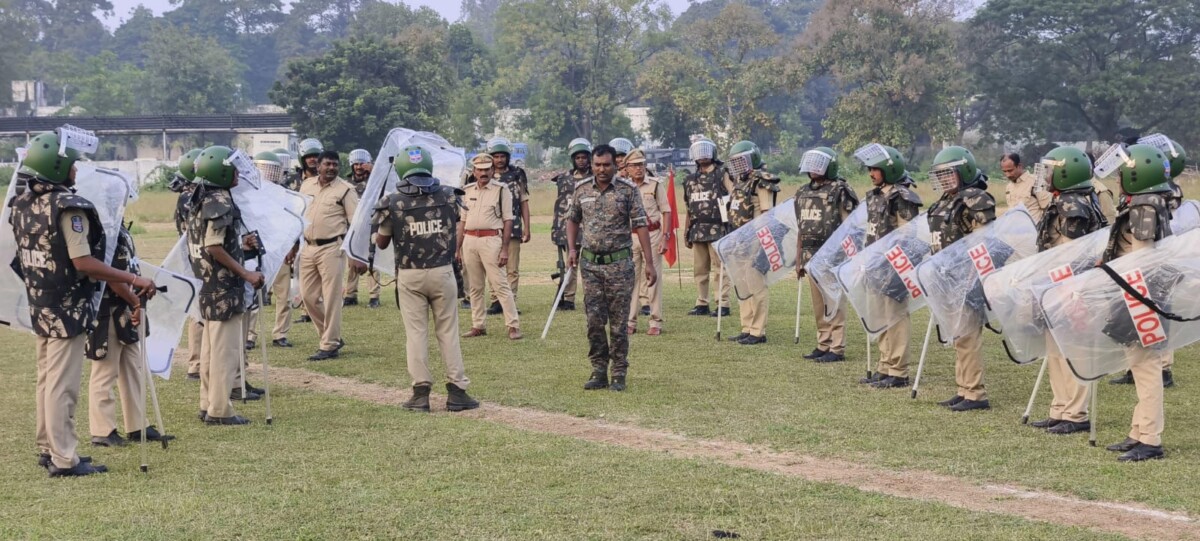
pixel 129 39
pixel 100 85
pixel 351 96
pixel 18 29
pixel 68 26
pixel 189 74
pixel 245 28
pixel 1103 64
pixel 480 17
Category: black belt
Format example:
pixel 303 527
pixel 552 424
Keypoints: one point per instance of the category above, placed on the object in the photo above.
pixel 605 259
pixel 323 242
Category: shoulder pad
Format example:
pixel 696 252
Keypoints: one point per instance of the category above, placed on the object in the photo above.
pixel 767 177
pixel 582 182
pixel 1148 199
pixel 72 201
pixel 977 199
pixel 903 192
pixel 384 202
pixel 216 204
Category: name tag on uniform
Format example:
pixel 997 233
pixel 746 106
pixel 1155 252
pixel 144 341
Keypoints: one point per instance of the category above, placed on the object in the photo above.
pixel 587 199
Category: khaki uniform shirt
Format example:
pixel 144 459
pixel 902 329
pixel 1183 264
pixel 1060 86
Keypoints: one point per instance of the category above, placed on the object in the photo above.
pixel 1021 191
pixel 77 241
pixel 654 198
pixel 331 209
pixel 487 207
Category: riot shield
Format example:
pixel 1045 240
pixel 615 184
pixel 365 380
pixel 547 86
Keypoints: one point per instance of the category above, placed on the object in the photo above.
pixel 951 278
pixel 276 215
pixel 844 243
pixel 881 281
pixel 449 163
pixel 1097 324
pixel 167 313
pixel 761 252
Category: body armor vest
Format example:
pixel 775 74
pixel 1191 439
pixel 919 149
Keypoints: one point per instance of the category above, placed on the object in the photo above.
pixel 113 309
pixel 704 193
pixel 1071 214
pixel 423 228
pixel 884 210
pixel 819 207
pixel 517 184
pixel 744 205
pixel 1147 215
pixel 949 219
pixel 566 188
pixel 222 292
pixel 181 209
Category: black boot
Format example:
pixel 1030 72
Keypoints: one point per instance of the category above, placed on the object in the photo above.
pixel 951 402
pixel 350 301
pixel 566 305
pixel 419 400
pixel 699 310
pixel 816 354
pixel 599 380
pixel 458 399
pixel 495 308
pixel 724 311
pixel 152 434
pixel 1048 422
pixel 618 383
pixel 1125 379
pixel 875 376
pixel 1168 379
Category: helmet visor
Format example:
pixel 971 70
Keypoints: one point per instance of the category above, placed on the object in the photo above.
pixel 1161 142
pixel 740 164
pixel 269 171
pixel 872 155
pixel 245 167
pixel 1043 171
pixel 78 139
pixel 815 161
pixel 702 150
pixel 1111 160
pixel 944 177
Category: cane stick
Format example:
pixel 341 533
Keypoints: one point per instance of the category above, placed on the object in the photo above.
pixel 266 367
pixel 868 333
pixel 921 364
pixel 145 466
pixel 720 289
pixel 799 298
pixel 1092 413
pixel 1037 384
pixel 562 288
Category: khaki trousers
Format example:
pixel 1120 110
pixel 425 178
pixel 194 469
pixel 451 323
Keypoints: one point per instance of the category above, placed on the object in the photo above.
pixel 704 258
pixel 281 300
pixel 59 373
pixel 652 293
pixel 122 367
pixel 893 349
pixel 1148 417
pixel 968 365
pixel 831 333
pixel 195 330
pixel 480 259
pixel 351 287
pixel 321 275
pixel 1070 402
pixel 220 363
pixel 419 291
pixel 513 268
pixel 753 313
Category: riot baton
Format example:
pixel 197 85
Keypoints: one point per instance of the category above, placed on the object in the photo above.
pixel 924 350
pixel 720 289
pixel 1033 396
pixel 557 298
pixel 153 391
pixel 799 298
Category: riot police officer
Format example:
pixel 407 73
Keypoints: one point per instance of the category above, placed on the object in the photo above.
pixel 182 184
pixel 706 193
pixel 580 151
pixel 753 194
pixel 360 166
pixel 623 147
pixel 514 177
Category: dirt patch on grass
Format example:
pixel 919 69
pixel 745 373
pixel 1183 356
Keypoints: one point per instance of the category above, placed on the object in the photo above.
pixel 1126 519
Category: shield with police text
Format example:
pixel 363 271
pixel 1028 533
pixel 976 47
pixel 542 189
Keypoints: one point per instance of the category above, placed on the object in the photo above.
pixel 761 252
pixel 845 242
pixel 167 314
pixel 881 280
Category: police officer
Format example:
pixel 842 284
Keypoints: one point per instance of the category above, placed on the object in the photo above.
pixel 218 256
pixel 1074 211
pixel 706 193
pixel 653 192
pixel 322 262
pixel 608 211
pixel 271 168
pixel 580 151
pixel 482 229
pixel 754 193
pixel 114 345
pixel 310 150
pixel 890 204
pixel 360 166
pixel 60 252
pixel 514 177
pixel 1143 218
pixel 965 206
pixel 182 184
pixel 1022 188
pixel 821 206
pixel 421 216
pixel 623 147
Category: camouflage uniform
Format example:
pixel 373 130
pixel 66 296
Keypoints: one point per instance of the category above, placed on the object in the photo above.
pixel 350 289
pixel 195 327
pixel 1070 215
pixel 518 184
pixel 953 217
pixel 607 220
pixel 565 183
pixel 753 195
pixel 704 192
pixel 423 231
pixel 213 222
pixel 114 344
pixel 1176 197
pixel 821 206
pixel 52 226
pixel 889 207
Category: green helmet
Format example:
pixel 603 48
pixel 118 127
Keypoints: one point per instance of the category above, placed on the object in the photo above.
pixel 953 167
pixel 1178 159
pixel 1146 170
pixel 821 160
pixel 579 145
pixel 213 167
pixel 499 145
pixel 1065 168
pixel 884 158
pixel 747 146
pixel 309 147
pixel 42 156
pixel 412 161
pixel 269 166
pixel 187 164
pixel 265 156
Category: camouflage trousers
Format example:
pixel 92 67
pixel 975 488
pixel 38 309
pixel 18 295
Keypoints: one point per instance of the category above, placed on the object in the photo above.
pixel 607 291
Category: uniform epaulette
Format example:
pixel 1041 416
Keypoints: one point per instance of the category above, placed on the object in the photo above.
pixel 627 182
pixel 582 182
pixel 978 199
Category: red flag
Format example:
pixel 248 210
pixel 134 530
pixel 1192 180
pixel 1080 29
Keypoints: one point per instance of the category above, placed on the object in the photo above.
pixel 673 246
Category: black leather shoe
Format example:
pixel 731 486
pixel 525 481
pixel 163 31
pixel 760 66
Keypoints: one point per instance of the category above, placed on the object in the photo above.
pixel 1168 379
pixel 566 305
pixel 466 305
pixel 1070 427
pixel 236 394
pixel 724 312
pixel 830 357
pixel 350 301
pixel 1048 422
pixel 152 434
pixel 599 380
pixel 202 415
pixel 322 355
pixel 699 310
pixel 618 383
pixel 495 308
pixel 738 337
pixel 303 319
pixel 250 345
pixel 44 459
pixel 113 439
pixel 1126 445
pixel 373 303
pixel 340 344
pixel 891 382
pixel 235 420
pixel 1142 452
pixel 968 405
pixel 281 343
pixel 193 375
pixel 953 401
pixel 1124 379
pixel 751 340
pixel 646 310
pixel 255 390
pixel 78 470
pixel 875 376
pixel 816 354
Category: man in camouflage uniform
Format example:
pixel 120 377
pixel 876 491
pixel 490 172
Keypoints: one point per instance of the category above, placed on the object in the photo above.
pixel 217 257
pixel 514 177
pixel 421 217
pixel 821 207
pixel 60 257
pixel 360 166
pixel 754 194
pixel 1073 212
pixel 965 206
pixel 658 213
pixel 706 193
pixel 483 230
pixel 1022 188
pixel 270 169
pixel 581 160
pixel 115 346
pixel 182 184
pixel 608 211
pixel 1143 218
pixel 891 204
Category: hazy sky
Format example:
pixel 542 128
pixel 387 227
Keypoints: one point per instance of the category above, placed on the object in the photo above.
pixel 448 8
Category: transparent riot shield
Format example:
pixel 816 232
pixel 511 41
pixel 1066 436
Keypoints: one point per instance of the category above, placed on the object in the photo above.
pixel 761 252
pixel 845 242
pixel 167 314
pixel 881 281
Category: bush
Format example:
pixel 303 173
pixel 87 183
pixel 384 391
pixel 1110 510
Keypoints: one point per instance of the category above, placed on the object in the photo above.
pixel 160 179
pixel 6 175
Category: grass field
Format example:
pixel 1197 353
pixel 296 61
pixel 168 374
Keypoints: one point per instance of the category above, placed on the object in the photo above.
pixel 338 467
